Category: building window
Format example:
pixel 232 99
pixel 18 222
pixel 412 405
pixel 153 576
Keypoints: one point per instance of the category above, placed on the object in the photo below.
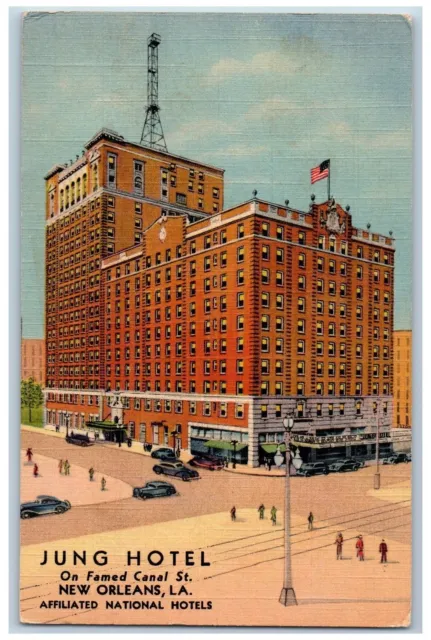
pixel 112 170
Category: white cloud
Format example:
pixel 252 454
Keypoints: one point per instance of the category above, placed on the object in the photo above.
pixel 273 108
pixel 242 149
pixel 272 62
pixel 199 129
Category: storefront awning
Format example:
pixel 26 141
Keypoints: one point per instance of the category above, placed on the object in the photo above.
pixel 225 445
pixel 310 445
pixel 272 448
pixel 105 425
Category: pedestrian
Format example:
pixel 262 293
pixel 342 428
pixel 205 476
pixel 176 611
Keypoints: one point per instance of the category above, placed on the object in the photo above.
pixel 178 452
pixel 91 473
pixel 383 550
pixel 29 454
pixel 96 435
pixel 66 468
pixel 360 548
pixel 35 470
pixel 261 511
pixel 60 467
pixel 57 428
pixel 310 521
pixel 274 516
pixel 339 542
pixel 129 442
pixel 269 464
pixel 226 463
pixel 233 514
pixel 103 483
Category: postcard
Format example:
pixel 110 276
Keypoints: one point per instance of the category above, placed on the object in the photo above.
pixel 216 407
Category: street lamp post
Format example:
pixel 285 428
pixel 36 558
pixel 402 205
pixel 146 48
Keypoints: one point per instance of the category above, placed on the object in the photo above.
pixel 377 474
pixel 287 596
pixel 234 443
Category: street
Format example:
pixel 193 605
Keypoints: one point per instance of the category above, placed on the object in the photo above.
pixel 215 492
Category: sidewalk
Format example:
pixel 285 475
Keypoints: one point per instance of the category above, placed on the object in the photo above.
pixel 137 447
pixel 257 471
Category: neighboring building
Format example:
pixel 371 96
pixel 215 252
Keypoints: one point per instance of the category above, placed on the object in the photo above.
pixel 196 326
pixel 402 415
pixel 33 359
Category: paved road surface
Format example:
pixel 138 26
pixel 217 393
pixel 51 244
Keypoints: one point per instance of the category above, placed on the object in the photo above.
pixel 216 491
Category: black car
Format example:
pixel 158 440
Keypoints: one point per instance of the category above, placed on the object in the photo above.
pixel 43 505
pixel 344 465
pixel 79 439
pixel 154 489
pixel 396 458
pixel 313 469
pixel 163 452
pixel 176 470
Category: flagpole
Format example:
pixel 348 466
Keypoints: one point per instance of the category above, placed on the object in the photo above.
pixel 329 180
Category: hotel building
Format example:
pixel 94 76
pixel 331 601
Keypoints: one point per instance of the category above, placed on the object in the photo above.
pixel 202 327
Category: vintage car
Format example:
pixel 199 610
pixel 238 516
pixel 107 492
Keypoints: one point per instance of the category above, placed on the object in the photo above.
pixel 176 470
pixel 207 463
pixel 154 489
pixel 344 465
pixel 162 453
pixel 313 469
pixel 396 458
pixel 81 440
pixel 43 505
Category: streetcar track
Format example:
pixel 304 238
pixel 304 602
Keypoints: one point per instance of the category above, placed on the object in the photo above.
pixel 310 535
pixel 294 554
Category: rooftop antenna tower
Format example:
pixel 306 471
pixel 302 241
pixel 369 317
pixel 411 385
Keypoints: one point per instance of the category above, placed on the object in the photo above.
pixel 152 133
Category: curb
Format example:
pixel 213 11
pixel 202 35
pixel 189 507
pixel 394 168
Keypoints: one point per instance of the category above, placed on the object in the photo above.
pixel 253 473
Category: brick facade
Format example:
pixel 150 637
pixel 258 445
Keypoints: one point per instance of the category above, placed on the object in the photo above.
pixel 209 324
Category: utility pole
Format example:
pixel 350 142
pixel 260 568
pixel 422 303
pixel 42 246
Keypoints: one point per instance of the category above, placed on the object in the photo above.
pixel 152 133
pixel 377 474
pixel 287 595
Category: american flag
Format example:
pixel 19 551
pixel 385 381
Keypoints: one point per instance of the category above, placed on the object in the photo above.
pixel 320 172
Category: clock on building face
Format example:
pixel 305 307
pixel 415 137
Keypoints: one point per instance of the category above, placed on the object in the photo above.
pixel 162 234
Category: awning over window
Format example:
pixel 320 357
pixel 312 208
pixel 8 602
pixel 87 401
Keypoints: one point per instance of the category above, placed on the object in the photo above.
pixel 225 445
pixel 272 448
pixel 105 425
pixel 310 445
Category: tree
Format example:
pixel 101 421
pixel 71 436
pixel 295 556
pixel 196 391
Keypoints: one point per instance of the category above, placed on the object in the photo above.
pixel 31 395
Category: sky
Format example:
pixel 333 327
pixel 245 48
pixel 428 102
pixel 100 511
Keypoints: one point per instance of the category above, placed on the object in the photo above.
pixel 264 96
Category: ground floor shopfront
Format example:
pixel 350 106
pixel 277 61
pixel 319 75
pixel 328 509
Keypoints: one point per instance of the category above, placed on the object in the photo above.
pixel 247 429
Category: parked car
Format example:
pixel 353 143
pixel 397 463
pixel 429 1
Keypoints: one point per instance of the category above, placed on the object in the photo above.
pixel 396 458
pixel 81 440
pixel 344 465
pixel 163 452
pixel 176 470
pixel 409 457
pixel 313 469
pixel 43 505
pixel 154 489
pixel 206 463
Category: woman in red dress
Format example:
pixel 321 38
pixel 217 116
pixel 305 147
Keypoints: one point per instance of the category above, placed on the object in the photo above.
pixel 360 548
